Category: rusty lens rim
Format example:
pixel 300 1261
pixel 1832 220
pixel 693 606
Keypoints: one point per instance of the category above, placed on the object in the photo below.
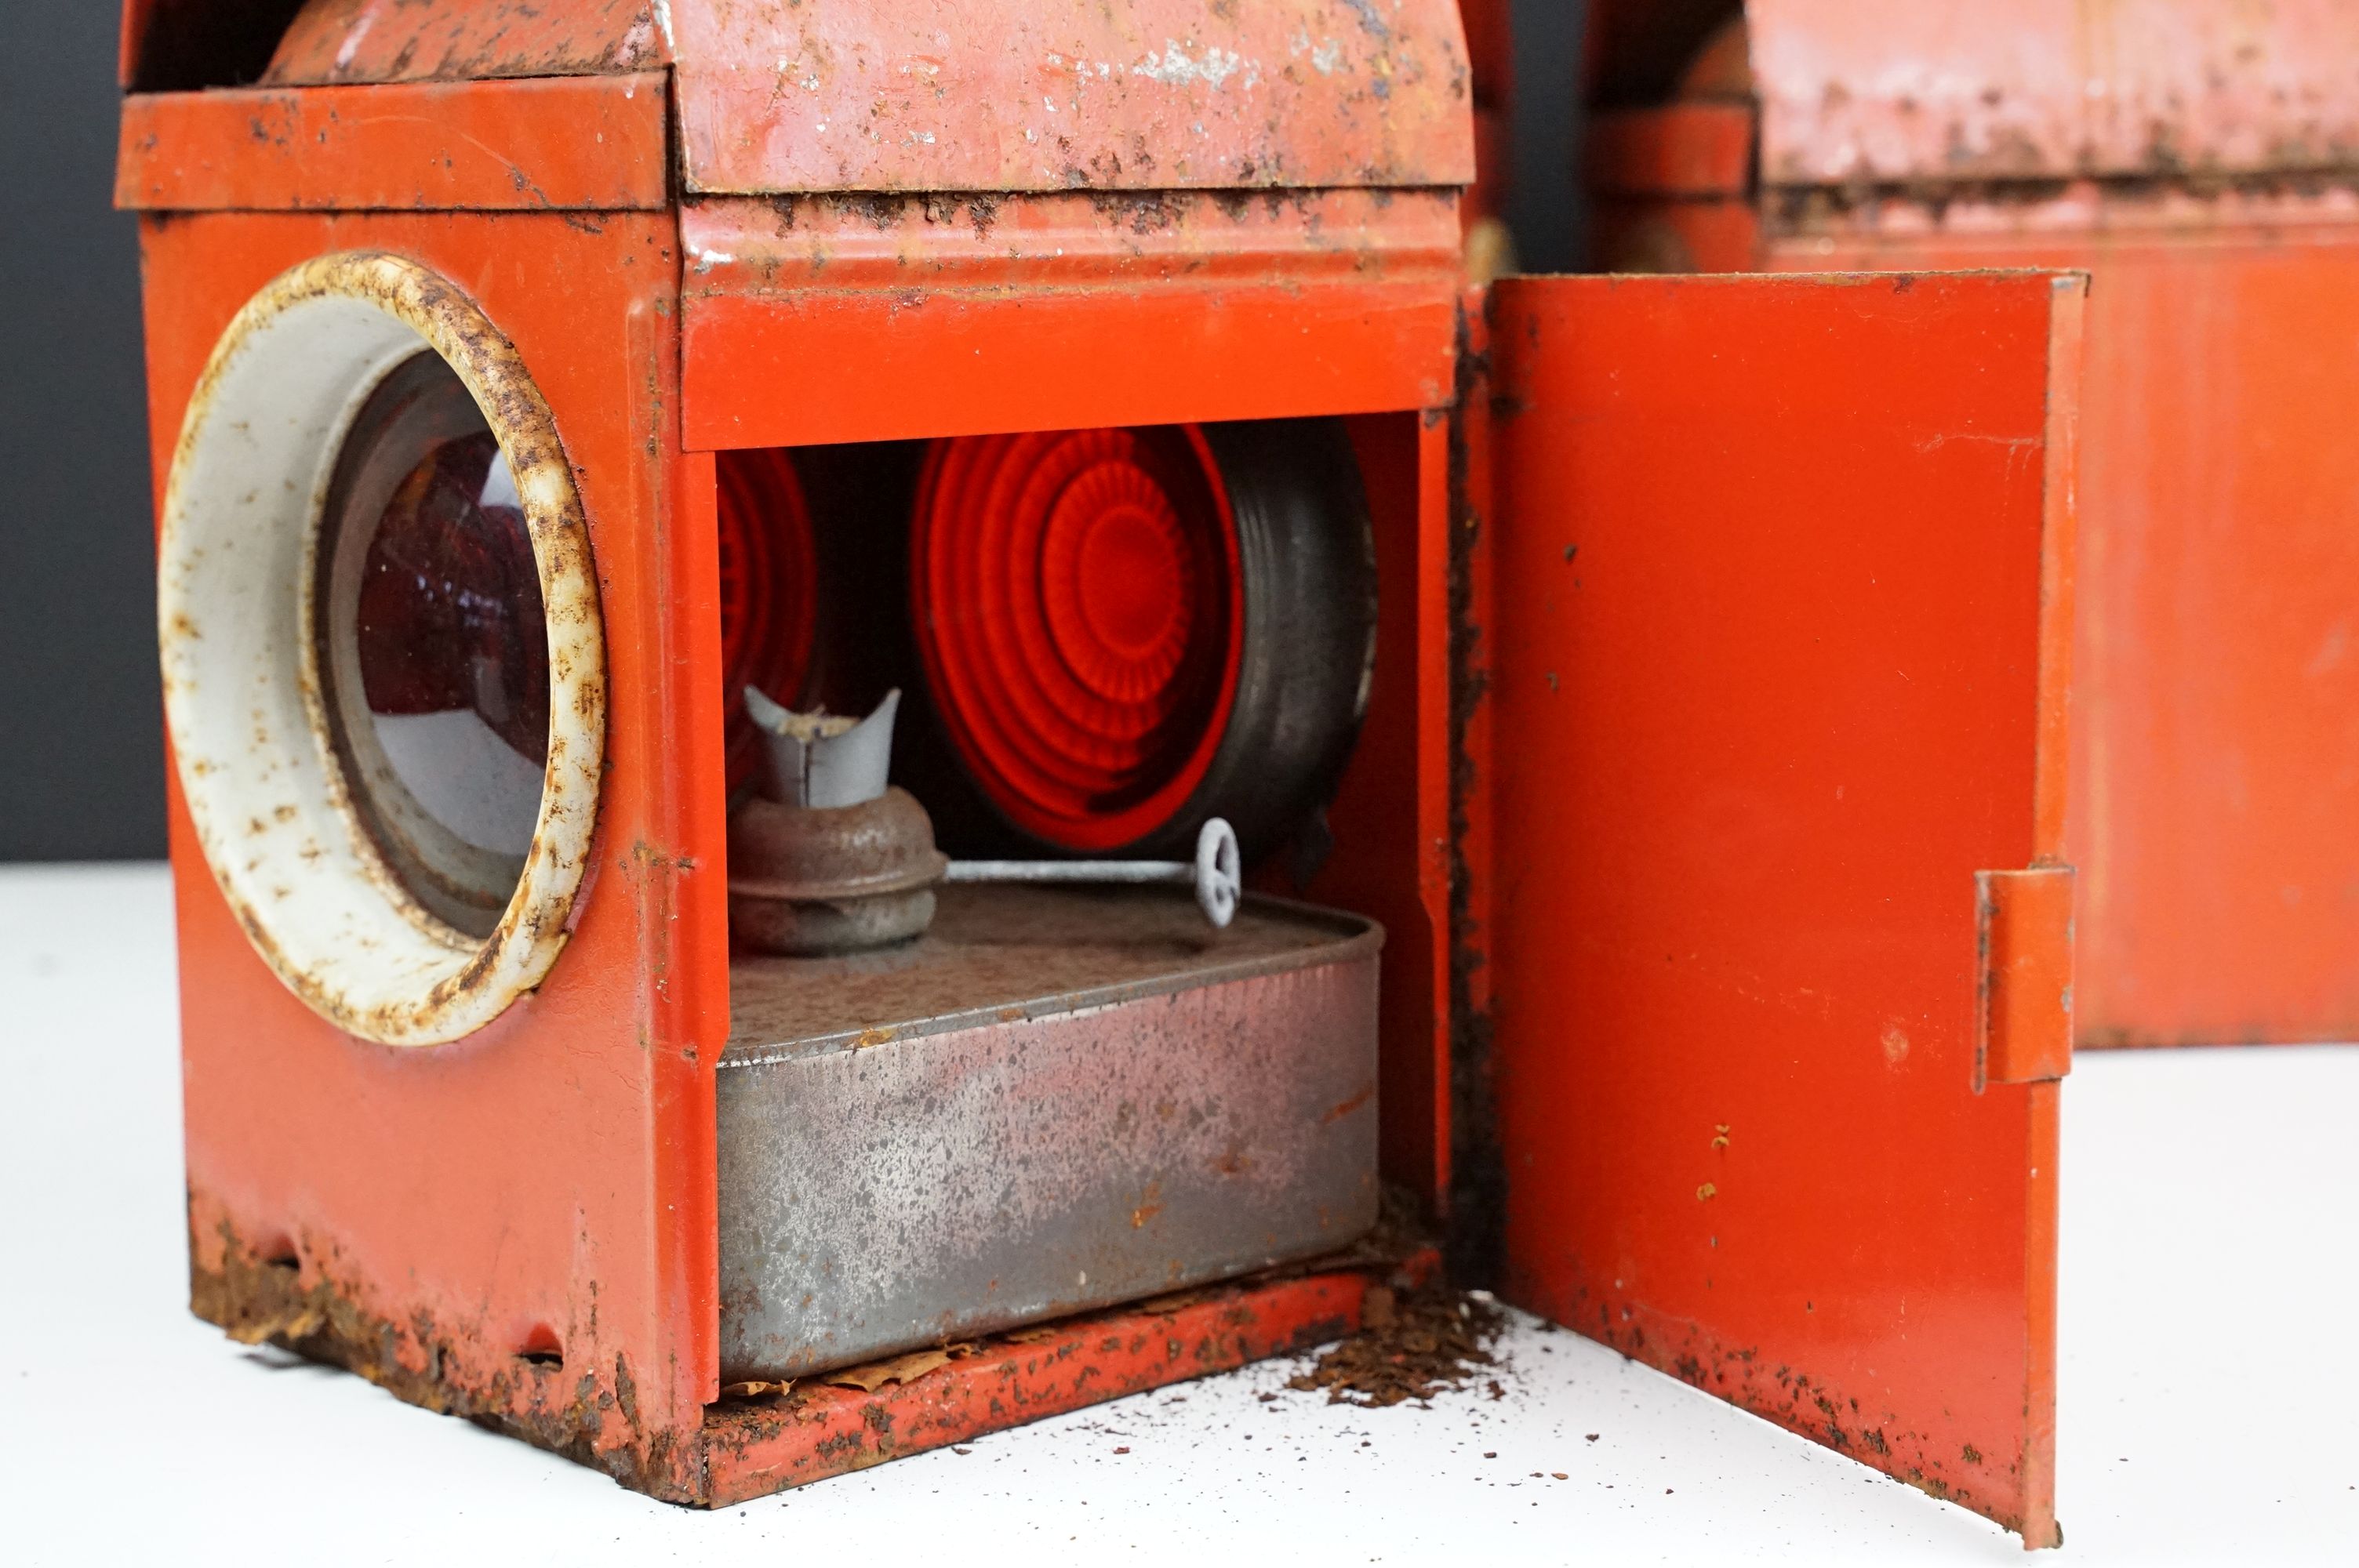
pixel 252 741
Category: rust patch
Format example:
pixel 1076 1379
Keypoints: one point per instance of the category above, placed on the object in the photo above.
pixel 1478 1165
pixel 586 1415
pixel 756 1447
pixel 765 1436
pixel 1805 1405
pixel 1409 1347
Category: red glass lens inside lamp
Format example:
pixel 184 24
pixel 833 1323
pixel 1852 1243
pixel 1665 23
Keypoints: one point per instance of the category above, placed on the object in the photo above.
pixel 769 606
pixel 1077 599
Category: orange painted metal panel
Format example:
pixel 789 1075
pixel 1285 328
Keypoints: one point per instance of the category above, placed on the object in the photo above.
pixel 1382 851
pixel 582 143
pixel 858 319
pixel 754 1449
pixel 2009 89
pixel 2215 771
pixel 778 96
pixel 555 1171
pixel 1777 574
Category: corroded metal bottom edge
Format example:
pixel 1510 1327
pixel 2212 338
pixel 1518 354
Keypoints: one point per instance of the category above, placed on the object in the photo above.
pixel 748 1448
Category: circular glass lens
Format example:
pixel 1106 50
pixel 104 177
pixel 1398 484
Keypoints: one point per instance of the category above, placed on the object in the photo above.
pixel 433 646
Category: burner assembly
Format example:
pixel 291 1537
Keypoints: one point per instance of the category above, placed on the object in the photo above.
pixel 872 729
pixel 1093 647
pixel 829 858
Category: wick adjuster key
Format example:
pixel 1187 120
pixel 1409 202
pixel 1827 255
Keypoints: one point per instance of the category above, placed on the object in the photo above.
pixel 1216 873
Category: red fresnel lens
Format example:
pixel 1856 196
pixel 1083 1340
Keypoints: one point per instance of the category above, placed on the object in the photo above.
pixel 1077 597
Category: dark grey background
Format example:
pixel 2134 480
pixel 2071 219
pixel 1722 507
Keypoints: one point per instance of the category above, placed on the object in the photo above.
pixel 81 722
pixel 80 747
pixel 1543 200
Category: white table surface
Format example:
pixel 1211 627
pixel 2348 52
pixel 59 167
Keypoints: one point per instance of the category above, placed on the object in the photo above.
pixel 2209 1411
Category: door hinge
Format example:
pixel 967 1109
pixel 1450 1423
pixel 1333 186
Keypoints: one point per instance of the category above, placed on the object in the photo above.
pixel 2023 929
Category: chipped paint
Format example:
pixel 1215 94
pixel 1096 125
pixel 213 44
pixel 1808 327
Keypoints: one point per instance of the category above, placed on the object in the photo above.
pixel 1326 56
pixel 1173 68
pixel 1158 95
pixel 351 47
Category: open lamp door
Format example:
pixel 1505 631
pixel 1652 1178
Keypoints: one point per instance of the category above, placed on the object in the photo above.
pixel 1778 934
